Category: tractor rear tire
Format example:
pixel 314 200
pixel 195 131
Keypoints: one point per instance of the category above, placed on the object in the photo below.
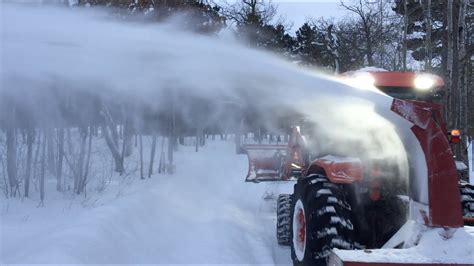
pixel 321 220
pixel 283 232
pixel 467 199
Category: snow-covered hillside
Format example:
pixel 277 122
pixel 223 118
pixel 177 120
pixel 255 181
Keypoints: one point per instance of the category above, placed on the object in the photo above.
pixel 205 213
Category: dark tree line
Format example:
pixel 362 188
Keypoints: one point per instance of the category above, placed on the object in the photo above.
pixel 440 35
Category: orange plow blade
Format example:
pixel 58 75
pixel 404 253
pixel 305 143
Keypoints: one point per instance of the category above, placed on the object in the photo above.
pixel 265 162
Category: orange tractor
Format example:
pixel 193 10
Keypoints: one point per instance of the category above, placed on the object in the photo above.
pixel 339 202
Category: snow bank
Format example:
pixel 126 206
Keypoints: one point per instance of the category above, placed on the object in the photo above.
pixel 450 246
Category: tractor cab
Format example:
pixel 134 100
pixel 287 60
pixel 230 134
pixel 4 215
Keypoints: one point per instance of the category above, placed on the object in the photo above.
pixel 422 89
pixel 408 86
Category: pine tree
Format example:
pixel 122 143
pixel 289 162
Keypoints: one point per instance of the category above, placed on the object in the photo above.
pixel 308 47
pixel 417 29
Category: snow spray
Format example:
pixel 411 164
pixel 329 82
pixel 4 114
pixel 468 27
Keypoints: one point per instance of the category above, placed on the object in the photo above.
pixel 85 50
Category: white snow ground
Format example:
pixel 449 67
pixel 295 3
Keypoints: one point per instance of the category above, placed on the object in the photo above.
pixel 204 214
pixel 435 246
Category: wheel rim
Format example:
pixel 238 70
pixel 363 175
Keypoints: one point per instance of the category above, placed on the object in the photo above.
pixel 299 230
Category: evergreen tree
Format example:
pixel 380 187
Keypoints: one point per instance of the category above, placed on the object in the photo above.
pixel 417 28
pixel 253 24
pixel 309 47
pixel 201 16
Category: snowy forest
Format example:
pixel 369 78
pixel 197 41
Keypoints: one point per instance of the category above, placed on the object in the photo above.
pixel 228 132
pixel 55 142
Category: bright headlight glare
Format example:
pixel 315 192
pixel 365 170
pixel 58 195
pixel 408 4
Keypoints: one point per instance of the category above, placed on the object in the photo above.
pixel 424 82
pixel 363 80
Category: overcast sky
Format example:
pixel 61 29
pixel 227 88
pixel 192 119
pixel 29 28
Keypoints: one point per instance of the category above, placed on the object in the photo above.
pixel 299 11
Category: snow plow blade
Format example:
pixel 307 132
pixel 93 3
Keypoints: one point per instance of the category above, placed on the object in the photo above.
pixel 265 162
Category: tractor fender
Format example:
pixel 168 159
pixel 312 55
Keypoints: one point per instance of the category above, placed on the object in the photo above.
pixel 340 170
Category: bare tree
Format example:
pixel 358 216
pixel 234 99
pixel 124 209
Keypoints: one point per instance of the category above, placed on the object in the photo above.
pixel 109 131
pixel 368 18
pixel 152 155
pixel 50 151
pixel 141 157
pixel 11 161
pixel 79 174
pixel 4 176
pixel 83 180
pixel 161 166
pixel 405 33
pixel 372 16
pixel 250 11
pixel 29 154
pixel 59 171
pixel 428 43
pixel 43 169
pixel 37 153
pixel 128 131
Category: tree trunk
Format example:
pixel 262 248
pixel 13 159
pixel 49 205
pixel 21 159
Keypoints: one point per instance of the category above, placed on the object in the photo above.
pixel 59 171
pixel 4 176
pixel 449 63
pixel 368 43
pixel 50 151
pixel 30 138
pixel 170 165
pixel 114 150
pixel 197 139
pixel 111 124
pixel 11 161
pixel 141 157
pixel 171 138
pixel 162 155
pixel 463 67
pixel 79 176
pixel 35 163
pixel 83 183
pixel 429 48
pixel 43 169
pixel 152 155
pixel 127 138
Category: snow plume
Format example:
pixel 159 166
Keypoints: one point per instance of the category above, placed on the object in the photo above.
pixel 72 54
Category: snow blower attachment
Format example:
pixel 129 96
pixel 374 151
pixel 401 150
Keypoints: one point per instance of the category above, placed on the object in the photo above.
pixel 342 213
pixel 434 208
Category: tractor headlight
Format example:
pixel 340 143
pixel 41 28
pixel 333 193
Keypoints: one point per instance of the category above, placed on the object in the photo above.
pixel 424 82
pixel 363 80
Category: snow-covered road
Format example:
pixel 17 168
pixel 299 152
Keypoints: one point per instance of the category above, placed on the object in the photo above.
pixel 205 213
